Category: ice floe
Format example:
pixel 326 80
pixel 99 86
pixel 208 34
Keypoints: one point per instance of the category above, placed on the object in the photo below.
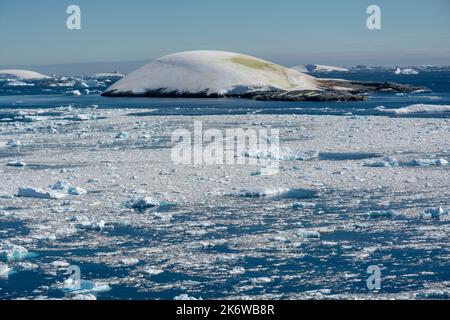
pixel 4 270
pixel 17 164
pixel 141 203
pixel 382 214
pixel 308 234
pixel 10 252
pixel 273 191
pixel 262 192
pixel 39 193
pixel 435 213
pixel 416 108
pixel 425 162
pixel 76 191
pixel 387 162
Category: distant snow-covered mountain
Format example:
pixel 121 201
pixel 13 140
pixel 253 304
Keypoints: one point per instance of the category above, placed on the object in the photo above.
pixel 312 68
pixel 22 75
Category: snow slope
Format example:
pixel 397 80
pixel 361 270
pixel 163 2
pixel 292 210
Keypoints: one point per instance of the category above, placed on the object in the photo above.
pixel 319 68
pixel 211 73
pixel 22 75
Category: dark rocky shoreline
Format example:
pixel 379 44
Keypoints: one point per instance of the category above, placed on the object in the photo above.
pixel 355 91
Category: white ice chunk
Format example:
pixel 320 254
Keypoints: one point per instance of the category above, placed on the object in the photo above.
pixel 308 234
pixel 10 252
pixel 17 164
pixel 430 162
pixel 122 135
pixel 129 261
pixel 141 203
pixel 73 93
pixel 435 213
pixel 39 193
pixel 76 191
pixel 4 270
pixel 417 108
pixel 387 162
pixel 262 191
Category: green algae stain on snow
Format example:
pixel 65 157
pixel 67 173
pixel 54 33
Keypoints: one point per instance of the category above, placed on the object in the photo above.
pixel 255 63
pixel 262 65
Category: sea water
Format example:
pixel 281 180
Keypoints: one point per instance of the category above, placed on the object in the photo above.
pixel 328 264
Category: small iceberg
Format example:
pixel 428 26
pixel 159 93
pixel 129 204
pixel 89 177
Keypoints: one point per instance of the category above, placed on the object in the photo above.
pixel 406 71
pixel 308 234
pixel 256 192
pixel 128 262
pixel 14 144
pixel 10 252
pixel 61 185
pixel 4 270
pixel 141 203
pixel 434 213
pixel 416 109
pixel 266 171
pixel 72 287
pixel 430 162
pixel 387 162
pixel 78 117
pixel 66 187
pixel 94 225
pixel 39 194
pixel 262 192
pixel 122 135
pixel 76 191
pixel 17 164
pixel 73 93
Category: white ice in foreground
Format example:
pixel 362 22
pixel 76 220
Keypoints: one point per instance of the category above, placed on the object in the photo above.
pixel 73 93
pixel 141 203
pixel 262 192
pixel 430 162
pixel 10 252
pixel 66 187
pixel 387 162
pixel 39 193
pixel 416 108
pixel 17 164
pixel 4 270
pixel 22 75
pixel 435 213
pixel 212 72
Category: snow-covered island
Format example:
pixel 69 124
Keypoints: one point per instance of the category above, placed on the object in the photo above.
pixel 214 74
pixel 22 75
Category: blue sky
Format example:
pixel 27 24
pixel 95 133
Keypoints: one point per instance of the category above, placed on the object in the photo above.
pixel 33 32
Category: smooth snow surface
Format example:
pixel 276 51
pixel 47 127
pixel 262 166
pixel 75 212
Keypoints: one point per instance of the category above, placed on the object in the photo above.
pixel 212 72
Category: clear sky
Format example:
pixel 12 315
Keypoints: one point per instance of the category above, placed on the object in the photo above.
pixel 33 32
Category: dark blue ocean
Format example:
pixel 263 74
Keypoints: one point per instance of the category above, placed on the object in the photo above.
pixel 42 96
